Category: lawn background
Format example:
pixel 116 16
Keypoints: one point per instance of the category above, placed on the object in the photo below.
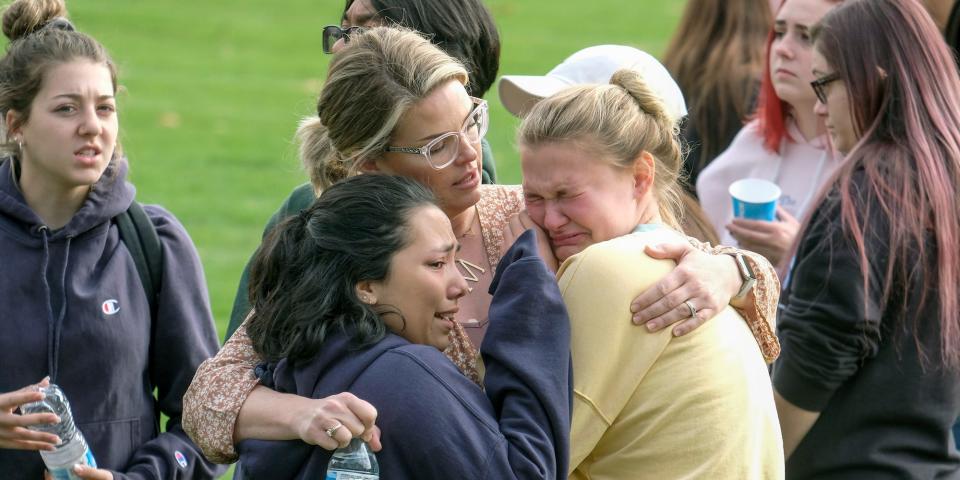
pixel 213 91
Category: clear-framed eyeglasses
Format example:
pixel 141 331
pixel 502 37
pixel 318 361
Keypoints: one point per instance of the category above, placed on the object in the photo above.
pixel 443 150
pixel 334 33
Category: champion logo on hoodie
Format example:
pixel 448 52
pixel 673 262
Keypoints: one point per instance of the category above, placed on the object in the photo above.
pixel 110 307
pixel 181 458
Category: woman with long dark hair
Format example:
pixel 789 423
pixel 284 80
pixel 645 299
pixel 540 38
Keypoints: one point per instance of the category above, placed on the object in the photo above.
pixel 868 383
pixel 359 293
pixel 463 29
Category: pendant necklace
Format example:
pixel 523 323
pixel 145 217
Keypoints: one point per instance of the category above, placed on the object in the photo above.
pixel 471 272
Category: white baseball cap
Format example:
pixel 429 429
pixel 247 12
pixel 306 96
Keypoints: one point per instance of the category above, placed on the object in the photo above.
pixel 592 65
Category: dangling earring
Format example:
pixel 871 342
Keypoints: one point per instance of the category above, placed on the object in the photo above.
pixel 20 145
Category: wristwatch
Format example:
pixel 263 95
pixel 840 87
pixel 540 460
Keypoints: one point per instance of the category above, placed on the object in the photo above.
pixel 746 274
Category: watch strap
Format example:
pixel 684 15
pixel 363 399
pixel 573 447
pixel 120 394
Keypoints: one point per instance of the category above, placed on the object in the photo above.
pixel 746 274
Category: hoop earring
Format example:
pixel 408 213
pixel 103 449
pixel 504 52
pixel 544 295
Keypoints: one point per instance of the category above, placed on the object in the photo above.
pixel 20 145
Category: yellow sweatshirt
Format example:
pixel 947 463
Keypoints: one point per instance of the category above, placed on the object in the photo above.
pixel 650 405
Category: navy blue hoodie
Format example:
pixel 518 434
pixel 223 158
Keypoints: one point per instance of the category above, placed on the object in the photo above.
pixel 437 424
pixel 72 307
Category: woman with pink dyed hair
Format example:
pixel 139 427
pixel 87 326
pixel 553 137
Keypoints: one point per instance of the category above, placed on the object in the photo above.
pixel 785 143
pixel 868 381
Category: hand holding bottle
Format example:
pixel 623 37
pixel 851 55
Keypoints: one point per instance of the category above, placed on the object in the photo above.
pixel 270 415
pixel 356 416
pixel 85 473
pixel 72 450
pixel 14 433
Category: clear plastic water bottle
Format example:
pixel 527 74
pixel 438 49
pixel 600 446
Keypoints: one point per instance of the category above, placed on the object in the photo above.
pixel 73 447
pixel 353 462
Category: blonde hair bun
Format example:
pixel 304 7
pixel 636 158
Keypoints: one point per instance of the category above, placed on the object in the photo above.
pixel 648 100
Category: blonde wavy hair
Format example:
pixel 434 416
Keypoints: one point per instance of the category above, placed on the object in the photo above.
pixel 371 83
pixel 622 119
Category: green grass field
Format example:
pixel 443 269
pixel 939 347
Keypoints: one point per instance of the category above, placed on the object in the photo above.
pixel 213 91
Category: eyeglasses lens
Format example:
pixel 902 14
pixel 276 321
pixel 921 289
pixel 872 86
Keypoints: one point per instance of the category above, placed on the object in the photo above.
pixel 331 34
pixel 445 151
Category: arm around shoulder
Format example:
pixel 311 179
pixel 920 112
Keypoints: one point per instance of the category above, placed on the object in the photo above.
pixel 759 305
pixel 527 359
pixel 212 404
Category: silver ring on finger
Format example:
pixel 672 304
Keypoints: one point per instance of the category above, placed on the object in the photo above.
pixel 333 430
pixel 691 308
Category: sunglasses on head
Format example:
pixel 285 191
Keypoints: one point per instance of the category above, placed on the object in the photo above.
pixel 334 33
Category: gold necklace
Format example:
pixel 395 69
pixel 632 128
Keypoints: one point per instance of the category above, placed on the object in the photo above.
pixel 470 270
pixel 473 224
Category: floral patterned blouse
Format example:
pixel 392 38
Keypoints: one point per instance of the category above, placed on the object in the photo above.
pixel 221 385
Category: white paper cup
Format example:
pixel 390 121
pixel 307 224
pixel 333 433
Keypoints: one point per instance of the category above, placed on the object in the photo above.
pixel 755 199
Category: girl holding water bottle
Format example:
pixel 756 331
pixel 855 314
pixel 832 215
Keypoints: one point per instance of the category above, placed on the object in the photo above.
pixel 74 309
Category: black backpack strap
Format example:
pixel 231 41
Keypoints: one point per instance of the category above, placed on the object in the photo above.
pixel 139 235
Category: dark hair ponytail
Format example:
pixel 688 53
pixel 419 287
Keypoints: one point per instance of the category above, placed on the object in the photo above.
pixel 303 277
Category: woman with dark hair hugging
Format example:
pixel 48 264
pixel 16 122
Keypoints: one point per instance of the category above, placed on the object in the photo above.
pixel 358 293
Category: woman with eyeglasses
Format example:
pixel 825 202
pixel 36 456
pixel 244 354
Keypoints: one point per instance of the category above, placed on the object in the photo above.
pixel 786 143
pixel 868 383
pixel 464 29
pixel 395 104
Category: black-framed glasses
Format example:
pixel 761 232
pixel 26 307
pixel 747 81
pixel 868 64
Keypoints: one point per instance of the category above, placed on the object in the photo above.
pixel 820 86
pixel 443 150
pixel 334 33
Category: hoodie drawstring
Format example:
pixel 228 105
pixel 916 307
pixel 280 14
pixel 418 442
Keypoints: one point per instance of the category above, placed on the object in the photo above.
pixel 58 327
pixel 51 364
pixel 54 323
